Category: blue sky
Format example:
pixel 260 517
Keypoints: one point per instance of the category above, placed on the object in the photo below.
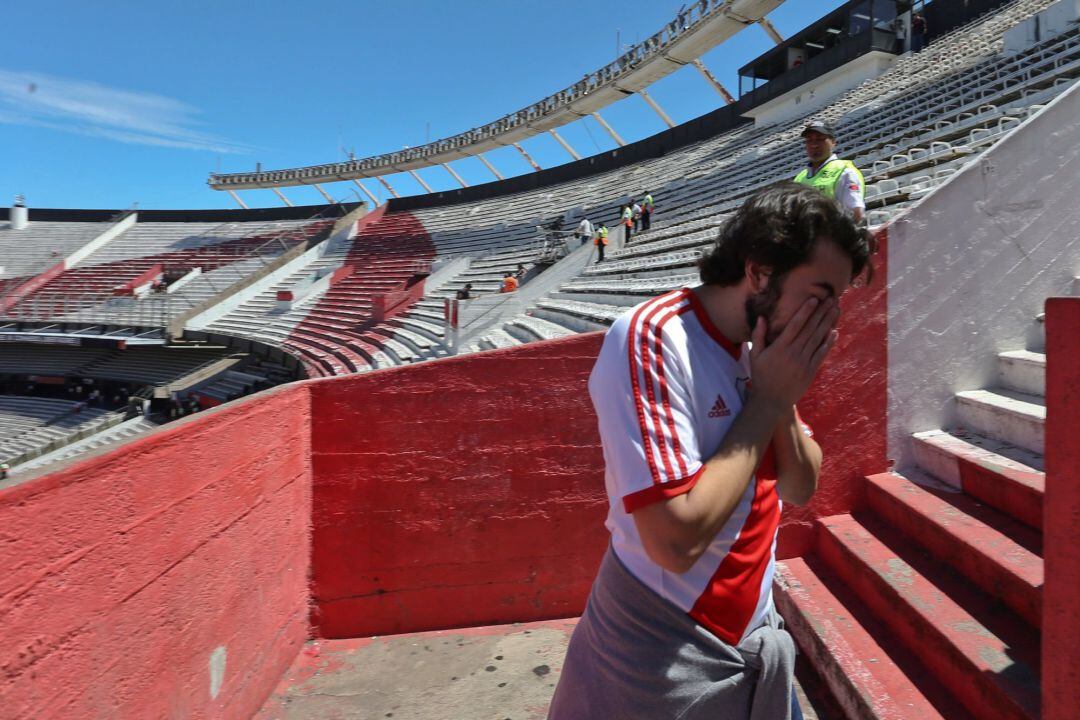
pixel 106 104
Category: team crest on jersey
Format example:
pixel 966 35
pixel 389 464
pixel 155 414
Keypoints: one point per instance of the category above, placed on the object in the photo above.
pixel 720 408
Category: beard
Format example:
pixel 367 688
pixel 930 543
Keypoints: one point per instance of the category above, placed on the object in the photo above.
pixel 763 304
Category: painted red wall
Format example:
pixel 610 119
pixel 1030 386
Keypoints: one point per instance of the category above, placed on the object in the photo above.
pixel 847 408
pixel 461 492
pixel 124 572
pixel 1061 513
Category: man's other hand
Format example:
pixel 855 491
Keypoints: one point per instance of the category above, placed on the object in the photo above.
pixel 783 371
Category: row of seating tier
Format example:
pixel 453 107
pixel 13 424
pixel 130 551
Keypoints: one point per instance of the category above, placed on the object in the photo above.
pixel 41 244
pixel 223 254
pixel 28 424
pixel 154 365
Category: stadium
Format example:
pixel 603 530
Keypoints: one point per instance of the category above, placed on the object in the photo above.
pixel 309 461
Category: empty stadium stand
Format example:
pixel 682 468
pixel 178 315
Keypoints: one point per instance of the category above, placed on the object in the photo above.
pixel 126 280
pixel 115 434
pixel 28 251
pixel 32 425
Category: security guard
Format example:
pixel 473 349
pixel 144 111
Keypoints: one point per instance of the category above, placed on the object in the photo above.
pixel 835 178
pixel 601 241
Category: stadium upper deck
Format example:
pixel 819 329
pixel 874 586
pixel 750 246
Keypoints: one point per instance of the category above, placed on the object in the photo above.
pixel 698 27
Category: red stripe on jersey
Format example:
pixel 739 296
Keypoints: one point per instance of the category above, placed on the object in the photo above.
pixel 648 328
pixel 663 491
pixel 649 390
pixel 665 398
pixel 638 405
pixel 731 597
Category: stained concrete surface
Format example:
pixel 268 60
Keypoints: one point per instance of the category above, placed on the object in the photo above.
pixel 505 672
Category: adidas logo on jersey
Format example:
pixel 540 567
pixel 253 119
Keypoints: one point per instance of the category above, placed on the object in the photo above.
pixel 720 408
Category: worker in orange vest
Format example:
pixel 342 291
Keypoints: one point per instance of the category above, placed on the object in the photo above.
pixel 601 241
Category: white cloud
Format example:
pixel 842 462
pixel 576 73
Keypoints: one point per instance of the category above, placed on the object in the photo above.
pixel 89 108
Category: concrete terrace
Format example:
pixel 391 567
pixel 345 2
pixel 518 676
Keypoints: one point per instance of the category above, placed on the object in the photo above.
pixel 503 672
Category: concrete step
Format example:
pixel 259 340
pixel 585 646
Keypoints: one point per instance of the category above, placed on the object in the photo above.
pixel 430 330
pixel 498 338
pixel 536 328
pixel 993 551
pixel 870 676
pixel 1003 476
pixel 927 611
pixel 1023 371
pixel 1016 418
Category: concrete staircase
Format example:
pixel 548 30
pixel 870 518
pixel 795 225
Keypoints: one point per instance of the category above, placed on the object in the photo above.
pixel 926 602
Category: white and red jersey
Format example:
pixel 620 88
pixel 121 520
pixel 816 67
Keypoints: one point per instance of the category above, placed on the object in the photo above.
pixel 667 387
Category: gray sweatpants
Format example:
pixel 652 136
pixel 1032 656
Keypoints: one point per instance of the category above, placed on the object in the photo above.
pixel 635 655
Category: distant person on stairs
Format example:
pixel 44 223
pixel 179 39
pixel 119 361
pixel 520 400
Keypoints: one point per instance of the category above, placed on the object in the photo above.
pixel 601 241
pixel 837 179
pixel 584 230
pixel 918 32
pixel 627 219
pixel 509 283
pixel 464 293
pixel 646 212
pixel 699 460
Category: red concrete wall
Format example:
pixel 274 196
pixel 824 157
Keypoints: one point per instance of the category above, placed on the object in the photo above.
pixel 847 408
pixel 462 492
pixel 1061 513
pixel 123 573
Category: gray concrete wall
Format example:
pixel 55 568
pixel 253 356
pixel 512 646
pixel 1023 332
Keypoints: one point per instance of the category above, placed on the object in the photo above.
pixel 971 265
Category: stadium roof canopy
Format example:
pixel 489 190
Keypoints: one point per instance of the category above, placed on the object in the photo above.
pixel 696 30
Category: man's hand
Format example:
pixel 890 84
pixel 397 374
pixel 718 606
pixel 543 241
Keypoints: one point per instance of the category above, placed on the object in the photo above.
pixel 677 531
pixel 783 371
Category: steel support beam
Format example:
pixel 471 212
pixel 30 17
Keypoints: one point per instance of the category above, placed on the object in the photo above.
pixel 236 197
pixel 421 181
pixel 386 185
pixel 714 82
pixel 282 197
pixel 769 28
pixel 614 135
pixel 456 176
pixel 325 194
pixel 566 145
pixel 525 155
pixel 489 166
pixel 374 200
pixel 655 106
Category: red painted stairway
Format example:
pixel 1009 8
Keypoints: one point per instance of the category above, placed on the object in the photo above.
pixel 926 601
pixel 339 335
